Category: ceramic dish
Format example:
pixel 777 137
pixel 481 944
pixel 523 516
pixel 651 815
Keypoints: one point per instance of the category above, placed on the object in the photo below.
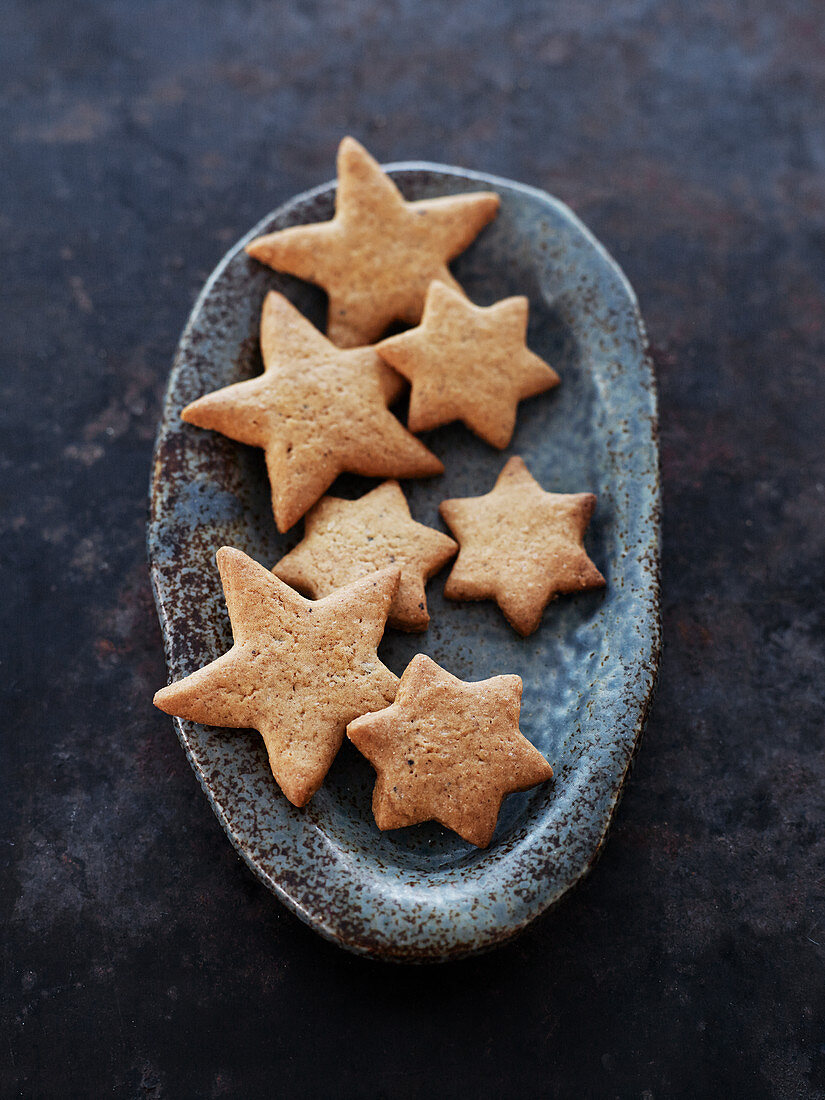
pixel 588 672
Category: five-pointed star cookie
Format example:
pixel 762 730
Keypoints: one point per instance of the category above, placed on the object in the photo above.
pixel 298 671
pixel 520 546
pixel 448 751
pixel 317 411
pixel 468 363
pixel 378 255
pixel 344 539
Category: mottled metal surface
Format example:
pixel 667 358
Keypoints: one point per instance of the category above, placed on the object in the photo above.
pixel 422 893
pixel 140 957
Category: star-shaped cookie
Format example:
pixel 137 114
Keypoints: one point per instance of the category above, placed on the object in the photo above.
pixel 520 546
pixel 448 751
pixel 317 411
pixel 344 539
pixel 298 671
pixel 468 363
pixel 378 255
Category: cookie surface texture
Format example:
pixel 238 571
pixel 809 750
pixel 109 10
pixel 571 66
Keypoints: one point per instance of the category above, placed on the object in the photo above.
pixel 297 672
pixel 448 751
pixel 378 255
pixel 468 363
pixel 520 546
pixel 346 539
pixel 317 411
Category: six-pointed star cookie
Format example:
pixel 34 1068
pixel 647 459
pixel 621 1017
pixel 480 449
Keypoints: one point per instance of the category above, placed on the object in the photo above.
pixel 520 546
pixel 468 363
pixel 345 539
pixel 378 255
pixel 447 750
pixel 317 411
pixel 298 671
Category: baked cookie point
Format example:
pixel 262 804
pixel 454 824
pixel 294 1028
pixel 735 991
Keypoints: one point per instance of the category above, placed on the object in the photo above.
pixel 345 539
pixel 469 363
pixel 298 671
pixel 378 255
pixel 520 546
pixel 448 750
pixel 317 411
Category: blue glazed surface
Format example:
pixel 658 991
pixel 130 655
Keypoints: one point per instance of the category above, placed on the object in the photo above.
pixel 588 672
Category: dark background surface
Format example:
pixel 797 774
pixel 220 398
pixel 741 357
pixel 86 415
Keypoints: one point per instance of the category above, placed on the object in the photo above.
pixel 140 957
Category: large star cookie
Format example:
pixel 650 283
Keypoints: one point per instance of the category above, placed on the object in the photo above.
pixel 468 363
pixel 378 255
pixel 298 671
pixel 520 546
pixel 345 539
pixel 448 751
pixel 317 411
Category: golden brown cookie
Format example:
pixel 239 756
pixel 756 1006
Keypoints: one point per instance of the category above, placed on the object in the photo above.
pixel 344 539
pixel 448 751
pixel 520 546
pixel 298 671
pixel 378 255
pixel 317 411
pixel 468 363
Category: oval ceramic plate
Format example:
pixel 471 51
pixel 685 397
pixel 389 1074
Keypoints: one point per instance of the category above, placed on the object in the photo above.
pixel 589 671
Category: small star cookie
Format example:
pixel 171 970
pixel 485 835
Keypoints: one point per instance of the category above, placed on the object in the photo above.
pixel 520 546
pixel 298 671
pixel 317 411
pixel 344 539
pixel 378 255
pixel 468 363
pixel 448 751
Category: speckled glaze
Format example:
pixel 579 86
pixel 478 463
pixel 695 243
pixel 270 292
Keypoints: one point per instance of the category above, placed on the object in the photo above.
pixel 589 671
